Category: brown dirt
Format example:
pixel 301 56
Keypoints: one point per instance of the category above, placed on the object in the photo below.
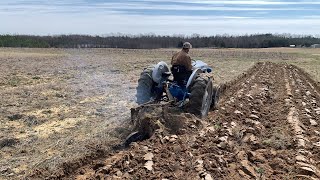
pixel 262 130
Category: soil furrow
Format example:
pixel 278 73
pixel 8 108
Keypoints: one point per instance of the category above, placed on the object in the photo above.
pixel 241 81
pixel 258 125
pixel 307 139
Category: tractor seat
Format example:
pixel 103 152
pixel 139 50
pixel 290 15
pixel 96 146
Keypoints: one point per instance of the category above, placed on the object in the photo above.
pixel 166 74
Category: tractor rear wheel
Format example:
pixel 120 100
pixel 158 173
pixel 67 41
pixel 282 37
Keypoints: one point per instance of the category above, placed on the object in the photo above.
pixel 144 89
pixel 201 97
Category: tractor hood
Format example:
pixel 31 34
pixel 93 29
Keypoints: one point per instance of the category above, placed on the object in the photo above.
pixel 198 64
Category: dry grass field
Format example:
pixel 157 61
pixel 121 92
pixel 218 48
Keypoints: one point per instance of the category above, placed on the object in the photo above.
pixel 73 105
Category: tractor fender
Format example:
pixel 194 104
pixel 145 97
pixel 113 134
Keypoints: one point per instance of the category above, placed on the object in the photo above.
pixel 193 76
pixel 158 70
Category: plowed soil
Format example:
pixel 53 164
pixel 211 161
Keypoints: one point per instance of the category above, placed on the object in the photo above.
pixel 267 127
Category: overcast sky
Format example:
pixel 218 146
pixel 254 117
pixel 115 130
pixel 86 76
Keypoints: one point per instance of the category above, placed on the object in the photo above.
pixel 205 17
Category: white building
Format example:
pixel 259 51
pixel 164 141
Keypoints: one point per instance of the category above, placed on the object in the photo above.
pixel 315 46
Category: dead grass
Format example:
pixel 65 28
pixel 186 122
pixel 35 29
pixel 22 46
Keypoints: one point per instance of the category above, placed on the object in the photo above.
pixel 279 140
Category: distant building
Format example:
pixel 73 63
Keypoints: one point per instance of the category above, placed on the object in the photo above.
pixel 292 46
pixel 315 46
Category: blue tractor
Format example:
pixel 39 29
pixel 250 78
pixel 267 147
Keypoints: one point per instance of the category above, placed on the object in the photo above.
pixel 193 92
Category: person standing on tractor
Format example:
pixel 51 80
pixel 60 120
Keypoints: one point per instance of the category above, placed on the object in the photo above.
pixel 181 65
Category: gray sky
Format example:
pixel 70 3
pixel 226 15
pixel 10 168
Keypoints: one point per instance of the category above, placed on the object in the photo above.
pixel 206 17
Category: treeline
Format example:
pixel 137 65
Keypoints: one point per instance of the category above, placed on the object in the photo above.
pixel 153 41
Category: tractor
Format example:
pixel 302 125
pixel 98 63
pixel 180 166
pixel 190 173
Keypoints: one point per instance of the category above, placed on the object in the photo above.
pixel 190 91
pixel 195 92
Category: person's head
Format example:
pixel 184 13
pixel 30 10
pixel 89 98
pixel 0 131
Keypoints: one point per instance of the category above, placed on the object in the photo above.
pixel 186 46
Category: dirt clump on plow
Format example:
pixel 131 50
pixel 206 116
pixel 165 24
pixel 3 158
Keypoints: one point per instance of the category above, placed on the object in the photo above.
pixel 163 118
pixel 267 127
